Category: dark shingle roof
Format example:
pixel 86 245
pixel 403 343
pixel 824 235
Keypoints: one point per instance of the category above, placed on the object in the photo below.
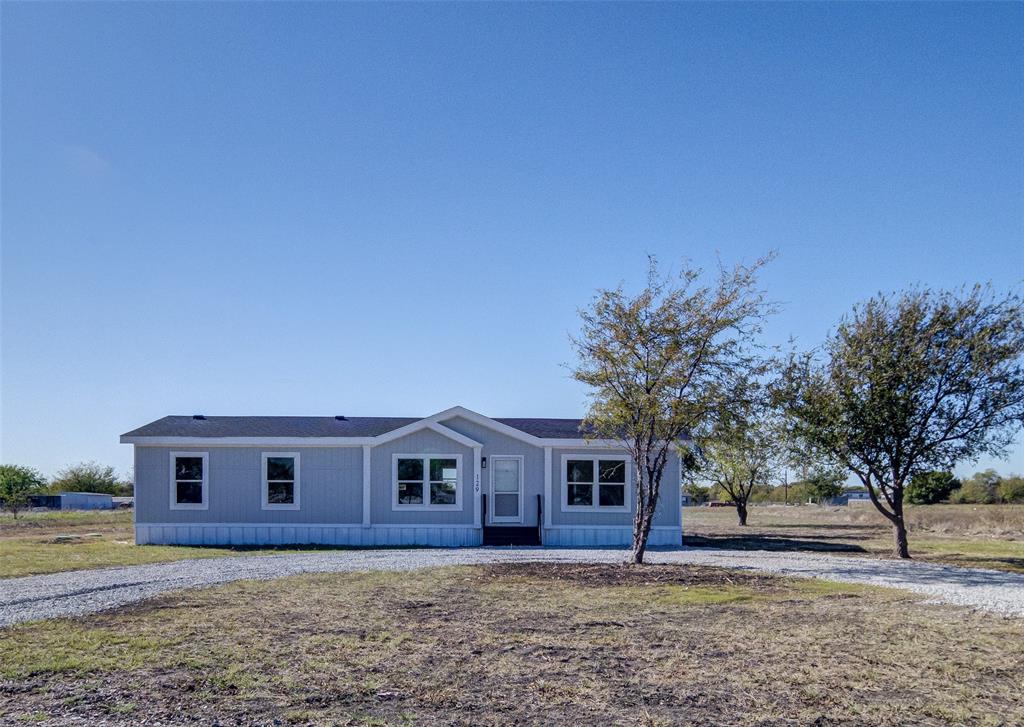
pixel 218 426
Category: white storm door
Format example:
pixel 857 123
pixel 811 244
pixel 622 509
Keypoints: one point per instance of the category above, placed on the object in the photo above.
pixel 506 489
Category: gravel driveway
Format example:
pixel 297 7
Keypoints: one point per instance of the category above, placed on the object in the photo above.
pixel 80 592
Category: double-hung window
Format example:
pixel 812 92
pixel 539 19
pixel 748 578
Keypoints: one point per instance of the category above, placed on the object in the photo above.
pixel 189 479
pixel 427 483
pixel 280 480
pixel 595 483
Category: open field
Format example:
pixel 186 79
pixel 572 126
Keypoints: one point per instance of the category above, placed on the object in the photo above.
pixel 989 536
pixel 51 542
pixel 523 643
pixel 985 536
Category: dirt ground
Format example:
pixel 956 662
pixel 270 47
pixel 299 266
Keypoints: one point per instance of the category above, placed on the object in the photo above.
pixel 520 644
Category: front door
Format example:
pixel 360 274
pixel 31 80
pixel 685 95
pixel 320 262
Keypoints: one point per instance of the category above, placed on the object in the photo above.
pixel 507 489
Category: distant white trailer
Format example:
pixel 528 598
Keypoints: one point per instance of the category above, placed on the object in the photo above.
pixel 85 501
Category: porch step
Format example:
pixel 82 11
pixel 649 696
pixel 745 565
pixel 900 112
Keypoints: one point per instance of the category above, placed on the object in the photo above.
pixel 494 535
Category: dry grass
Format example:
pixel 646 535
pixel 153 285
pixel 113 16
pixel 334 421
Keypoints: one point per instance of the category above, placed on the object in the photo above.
pixel 990 536
pixel 521 644
pixel 52 542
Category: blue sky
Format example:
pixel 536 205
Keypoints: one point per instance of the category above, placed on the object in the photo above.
pixel 391 209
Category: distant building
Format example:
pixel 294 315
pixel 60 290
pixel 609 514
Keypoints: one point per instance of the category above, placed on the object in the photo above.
pixel 73 501
pixel 851 497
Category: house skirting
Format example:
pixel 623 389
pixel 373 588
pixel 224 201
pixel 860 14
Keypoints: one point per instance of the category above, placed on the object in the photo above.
pixel 448 536
pixel 286 534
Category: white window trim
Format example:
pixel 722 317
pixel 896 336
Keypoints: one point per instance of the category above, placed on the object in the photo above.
pixel 490 510
pixel 425 505
pixel 266 483
pixel 205 504
pixel 595 507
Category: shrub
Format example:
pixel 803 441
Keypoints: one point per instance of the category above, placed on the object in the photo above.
pixel 981 489
pixel 927 488
pixel 17 483
pixel 1011 489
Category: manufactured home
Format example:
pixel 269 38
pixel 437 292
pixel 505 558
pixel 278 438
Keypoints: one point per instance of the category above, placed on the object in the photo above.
pixel 456 478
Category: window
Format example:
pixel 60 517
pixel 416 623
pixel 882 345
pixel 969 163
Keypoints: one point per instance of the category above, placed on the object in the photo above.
pixel 281 481
pixel 611 483
pixel 427 483
pixel 595 483
pixel 410 482
pixel 188 481
pixel 580 479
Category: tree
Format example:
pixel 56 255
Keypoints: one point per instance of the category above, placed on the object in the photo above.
pixel 87 477
pixel 1011 489
pixel 981 488
pixel 928 488
pixel 741 452
pixel 697 492
pixel 912 383
pixel 824 484
pixel 17 483
pixel 660 364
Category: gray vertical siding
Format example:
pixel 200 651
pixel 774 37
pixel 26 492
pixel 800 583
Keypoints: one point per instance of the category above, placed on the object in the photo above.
pixel 422 442
pixel 496 443
pixel 331 482
pixel 667 513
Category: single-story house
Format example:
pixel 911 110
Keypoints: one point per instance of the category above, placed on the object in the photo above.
pixel 73 501
pixel 456 478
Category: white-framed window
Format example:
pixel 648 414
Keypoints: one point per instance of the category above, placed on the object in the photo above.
pixel 596 483
pixel 190 477
pixel 280 481
pixel 426 482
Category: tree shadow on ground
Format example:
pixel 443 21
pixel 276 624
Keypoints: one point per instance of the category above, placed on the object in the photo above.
pixel 771 542
pixel 826 526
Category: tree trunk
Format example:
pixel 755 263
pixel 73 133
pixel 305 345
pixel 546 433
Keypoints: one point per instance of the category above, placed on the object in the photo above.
pixel 641 531
pixel 899 532
pixel 899 524
pixel 741 512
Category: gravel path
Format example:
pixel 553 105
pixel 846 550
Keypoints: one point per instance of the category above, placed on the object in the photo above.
pixel 80 592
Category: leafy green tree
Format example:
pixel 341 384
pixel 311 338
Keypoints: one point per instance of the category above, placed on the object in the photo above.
pixel 1011 489
pixel 825 484
pixel 928 488
pixel 916 382
pixel 17 484
pixel 697 492
pixel 659 364
pixel 742 452
pixel 981 488
pixel 87 477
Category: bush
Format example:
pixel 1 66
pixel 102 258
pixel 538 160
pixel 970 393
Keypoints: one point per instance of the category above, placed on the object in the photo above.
pixel 1011 489
pixel 928 488
pixel 17 483
pixel 981 489
pixel 89 477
